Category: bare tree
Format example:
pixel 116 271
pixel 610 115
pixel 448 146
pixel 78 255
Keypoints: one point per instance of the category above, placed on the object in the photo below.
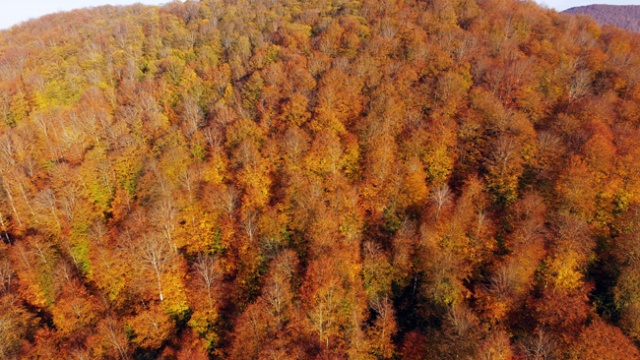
pixel 7 171
pixel 156 254
pixel 6 276
pixel 11 201
pixel 441 195
pixel 504 151
pixel 214 137
pixel 579 85
pixel 460 319
pixel 189 180
pixel 502 282
pixel 277 295
pixel 274 295
pixel 12 329
pixel 208 273
pixel 47 199
pixel 192 115
pixel 228 199
pixel 538 346
pixel 116 337
pixel 164 216
pixel 384 308
pixel 68 200
pixel 250 224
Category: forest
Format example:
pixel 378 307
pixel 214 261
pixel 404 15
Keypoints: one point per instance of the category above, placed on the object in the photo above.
pixel 322 179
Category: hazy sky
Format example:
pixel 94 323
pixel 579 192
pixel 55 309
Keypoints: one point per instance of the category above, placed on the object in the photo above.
pixel 15 11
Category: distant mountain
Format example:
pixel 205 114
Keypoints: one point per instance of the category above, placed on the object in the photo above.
pixel 623 16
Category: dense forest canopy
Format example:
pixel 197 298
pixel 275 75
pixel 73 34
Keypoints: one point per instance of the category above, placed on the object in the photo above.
pixel 330 179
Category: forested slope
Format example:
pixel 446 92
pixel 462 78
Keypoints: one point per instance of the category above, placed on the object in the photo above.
pixel 323 179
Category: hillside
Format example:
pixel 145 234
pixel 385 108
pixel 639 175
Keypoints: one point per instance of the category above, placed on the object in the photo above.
pixel 319 180
pixel 623 16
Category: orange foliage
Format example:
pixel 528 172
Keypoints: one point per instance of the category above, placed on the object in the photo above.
pixel 319 179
